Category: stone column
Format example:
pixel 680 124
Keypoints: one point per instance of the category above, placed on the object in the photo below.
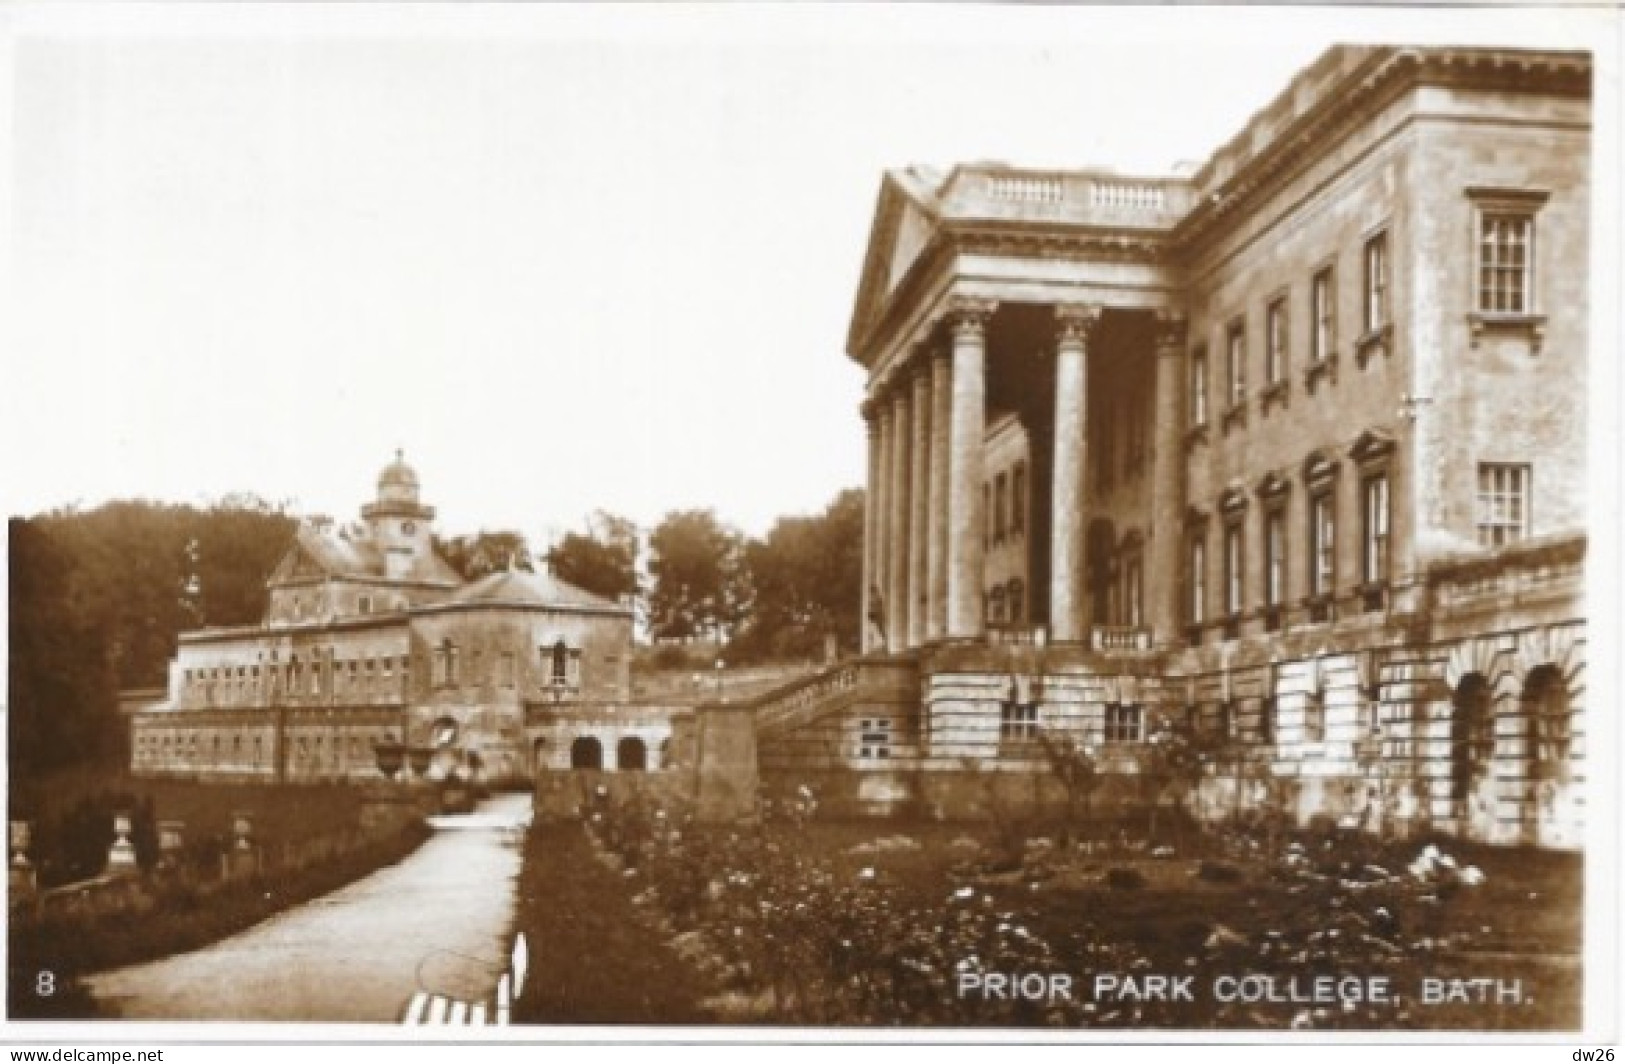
pixel 871 527
pixel 882 547
pixel 918 495
pixel 897 561
pixel 1165 556
pixel 936 535
pixel 967 425
pixel 1074 324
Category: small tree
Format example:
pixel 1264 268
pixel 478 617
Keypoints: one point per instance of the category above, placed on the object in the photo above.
pixel 1170 766
pixel 1075 766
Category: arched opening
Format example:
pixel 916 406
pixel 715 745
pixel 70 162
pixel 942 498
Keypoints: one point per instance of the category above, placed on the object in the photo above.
pixel 1547 717
pixel 631 755
pixel 587 752
pixel 1472 735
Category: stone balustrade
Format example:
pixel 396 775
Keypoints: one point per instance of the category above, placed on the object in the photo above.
pixel 1119 637
pixel 996 191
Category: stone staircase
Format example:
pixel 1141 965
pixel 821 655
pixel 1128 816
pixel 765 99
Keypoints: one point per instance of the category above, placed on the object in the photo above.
pixel 833 689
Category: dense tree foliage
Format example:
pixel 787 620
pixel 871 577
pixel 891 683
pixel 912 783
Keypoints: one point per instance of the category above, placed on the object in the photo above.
pixel 604 560
pixel 805 577
pixel 700 587
pixel 484 553
pixel 97 598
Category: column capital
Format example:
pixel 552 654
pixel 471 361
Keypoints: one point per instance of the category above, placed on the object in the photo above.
pixel 967 316
pixel 870 410
pixel 1171 326
pixel 1075 322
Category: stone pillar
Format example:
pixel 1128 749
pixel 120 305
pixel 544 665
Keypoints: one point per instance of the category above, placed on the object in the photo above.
pixel 871 529
pixel 20 876
pixel 1165 556
pixel 1068 623
pixel 918 496
pixel 882 560
pixel 936 522
pixel 121 856
pixel 897 594
pixel 967 427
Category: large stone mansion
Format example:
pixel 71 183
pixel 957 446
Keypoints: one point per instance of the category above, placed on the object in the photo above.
pixel 1290 451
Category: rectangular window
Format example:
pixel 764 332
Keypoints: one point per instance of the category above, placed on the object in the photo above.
pixel 1376 282
pixel 1322 544
pixel 1323 315
pixel 1232 570
pixel 1123 723
pixel 1018 499
pixel 1274 558
pixel 1018 721
pixel 1000 516
pixel 1314 716
pixel 1134 591
pixel 1198 580
pixel 1506 263
pixel 1275 342
pixel 874 739
pixel 1198 410
pixel 1376 530
pixel 1236 366
pixel 505 668
pixel 1503 504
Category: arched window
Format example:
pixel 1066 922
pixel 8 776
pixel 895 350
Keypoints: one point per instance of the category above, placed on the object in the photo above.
pixel 631 755
pixel 1472 734
pixel 561 662
pixel 1547 713
pixel 586 753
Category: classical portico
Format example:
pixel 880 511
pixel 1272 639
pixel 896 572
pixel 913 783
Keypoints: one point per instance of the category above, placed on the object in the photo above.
pixel 963 321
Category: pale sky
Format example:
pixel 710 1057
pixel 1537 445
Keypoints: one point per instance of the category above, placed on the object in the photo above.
pixel 565 258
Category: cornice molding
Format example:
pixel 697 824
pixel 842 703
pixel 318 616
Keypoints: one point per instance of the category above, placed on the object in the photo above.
pixel 1387 74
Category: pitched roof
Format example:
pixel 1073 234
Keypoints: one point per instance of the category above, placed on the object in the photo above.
pixel 516 587
pixel 326 554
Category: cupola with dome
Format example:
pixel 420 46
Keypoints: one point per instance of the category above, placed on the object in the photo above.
pixel 397 521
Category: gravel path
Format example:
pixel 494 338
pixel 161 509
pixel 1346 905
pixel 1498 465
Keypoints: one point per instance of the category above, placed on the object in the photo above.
pixel 437 921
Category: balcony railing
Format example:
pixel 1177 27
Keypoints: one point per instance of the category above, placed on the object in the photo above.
pixel 1107 637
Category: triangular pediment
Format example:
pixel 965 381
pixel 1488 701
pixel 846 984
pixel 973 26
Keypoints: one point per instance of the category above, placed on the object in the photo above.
pixel 301 562
pixel 906 219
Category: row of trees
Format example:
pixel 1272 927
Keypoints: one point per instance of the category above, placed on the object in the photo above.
pixel 781 595
pixel 97 597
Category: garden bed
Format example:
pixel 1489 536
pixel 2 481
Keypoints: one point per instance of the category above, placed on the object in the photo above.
pixel 880 923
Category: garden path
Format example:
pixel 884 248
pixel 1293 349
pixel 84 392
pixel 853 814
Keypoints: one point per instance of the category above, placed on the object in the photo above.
pixel 437 921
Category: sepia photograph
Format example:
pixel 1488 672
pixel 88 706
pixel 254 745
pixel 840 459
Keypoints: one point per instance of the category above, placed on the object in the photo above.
pixel 795 522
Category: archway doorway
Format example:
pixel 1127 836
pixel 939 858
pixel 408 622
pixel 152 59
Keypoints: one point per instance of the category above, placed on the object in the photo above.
pixel 631 755
pixel 586 753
